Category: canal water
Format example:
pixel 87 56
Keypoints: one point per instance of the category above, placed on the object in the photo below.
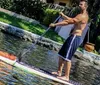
pixel 83 72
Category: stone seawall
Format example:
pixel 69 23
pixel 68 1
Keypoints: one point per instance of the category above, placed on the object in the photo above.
pixel 26 35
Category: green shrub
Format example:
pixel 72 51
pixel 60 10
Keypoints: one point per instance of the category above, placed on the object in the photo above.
pixel 50 16
pixel 97 43
pixel 30 8
pixel 6 4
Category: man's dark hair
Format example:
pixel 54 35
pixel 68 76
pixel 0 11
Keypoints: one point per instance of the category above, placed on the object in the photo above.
pixel 86 2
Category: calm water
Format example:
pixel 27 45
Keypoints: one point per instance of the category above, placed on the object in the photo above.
pixel 43 58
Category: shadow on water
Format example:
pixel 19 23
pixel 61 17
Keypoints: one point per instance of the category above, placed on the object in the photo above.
pixel 45 59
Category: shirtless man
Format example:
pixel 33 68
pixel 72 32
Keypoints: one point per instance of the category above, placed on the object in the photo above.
pixel 74 40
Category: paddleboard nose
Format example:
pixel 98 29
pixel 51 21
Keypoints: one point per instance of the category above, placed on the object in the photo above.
pixel 7 55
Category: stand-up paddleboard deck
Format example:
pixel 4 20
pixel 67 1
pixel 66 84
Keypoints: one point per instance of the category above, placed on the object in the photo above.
pixel 36 71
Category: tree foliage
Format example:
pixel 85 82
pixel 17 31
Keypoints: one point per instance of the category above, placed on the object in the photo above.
pixel 6 4
pixel 30 8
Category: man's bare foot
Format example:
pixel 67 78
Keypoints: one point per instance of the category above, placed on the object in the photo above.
pixel 63 78
pixel 56 73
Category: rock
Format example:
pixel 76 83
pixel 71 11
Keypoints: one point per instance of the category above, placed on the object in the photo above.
pixel 83 56
pixel 78 54
pixel 87 57
pixel 97 60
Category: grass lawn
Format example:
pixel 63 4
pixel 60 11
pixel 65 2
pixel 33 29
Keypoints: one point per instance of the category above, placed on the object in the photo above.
pixel 37 29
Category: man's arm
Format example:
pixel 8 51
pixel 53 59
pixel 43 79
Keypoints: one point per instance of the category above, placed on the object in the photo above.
pixel 62 23
pixel 75 20
pixel 64 16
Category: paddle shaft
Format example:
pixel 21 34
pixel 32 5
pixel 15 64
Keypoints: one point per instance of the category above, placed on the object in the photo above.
pixel 47 29
pixel 32 46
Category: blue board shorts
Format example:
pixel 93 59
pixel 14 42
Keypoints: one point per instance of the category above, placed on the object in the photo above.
pixel 69 47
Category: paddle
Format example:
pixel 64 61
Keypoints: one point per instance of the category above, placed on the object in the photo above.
pixel 22 53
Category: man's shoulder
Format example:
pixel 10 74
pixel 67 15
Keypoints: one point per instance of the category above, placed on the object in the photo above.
pixel 82 15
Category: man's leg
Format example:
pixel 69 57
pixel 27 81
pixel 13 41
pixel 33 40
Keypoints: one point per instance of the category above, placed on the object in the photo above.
pixel 67 71
pixel 60 67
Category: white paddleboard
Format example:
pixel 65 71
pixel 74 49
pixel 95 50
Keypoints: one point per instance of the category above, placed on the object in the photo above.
pixel 32 70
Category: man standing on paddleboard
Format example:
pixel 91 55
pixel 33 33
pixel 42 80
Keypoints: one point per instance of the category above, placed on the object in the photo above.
pixel 73 41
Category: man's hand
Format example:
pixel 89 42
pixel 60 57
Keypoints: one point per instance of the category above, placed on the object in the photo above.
pixel 62 14
pixel 52 25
